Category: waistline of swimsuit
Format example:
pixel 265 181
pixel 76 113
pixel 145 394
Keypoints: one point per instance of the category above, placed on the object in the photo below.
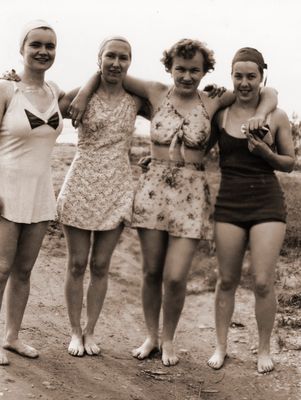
pixel 189 156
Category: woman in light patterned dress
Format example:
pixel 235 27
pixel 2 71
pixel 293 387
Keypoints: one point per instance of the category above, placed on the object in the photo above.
pixel 172 205
pixel 97 196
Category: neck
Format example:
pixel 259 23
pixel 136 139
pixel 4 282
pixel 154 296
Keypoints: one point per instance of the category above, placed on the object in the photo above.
pixel 33 78
pixel 111 89
pixel 246 105
pixel 183 96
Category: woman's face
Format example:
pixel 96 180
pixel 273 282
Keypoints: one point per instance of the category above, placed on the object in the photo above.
pixel 115 61
pixel 187 73
pixel 39 49
pixel 246 80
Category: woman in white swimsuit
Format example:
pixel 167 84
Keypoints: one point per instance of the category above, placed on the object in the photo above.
pixel 30 121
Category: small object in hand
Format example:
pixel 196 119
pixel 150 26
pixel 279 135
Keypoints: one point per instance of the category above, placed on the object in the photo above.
pixel 262 133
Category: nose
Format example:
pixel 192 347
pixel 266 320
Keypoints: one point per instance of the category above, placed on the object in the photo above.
pixel 244 81
pixel 187 76
pixel 43 50
pixel 116 62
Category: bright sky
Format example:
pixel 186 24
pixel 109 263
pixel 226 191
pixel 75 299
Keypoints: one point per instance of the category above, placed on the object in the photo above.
pixel 272 26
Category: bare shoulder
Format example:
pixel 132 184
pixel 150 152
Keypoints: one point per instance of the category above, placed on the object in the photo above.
pixel 211 104
pixel 279 116
pixel 56 89
pixel 158 88
pixel 6 89
pixel 157 92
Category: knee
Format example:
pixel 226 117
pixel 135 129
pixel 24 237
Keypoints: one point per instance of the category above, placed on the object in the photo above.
pixel 99 267
pixel 152 276
pixel 77 267
pixel 4 274
pixel 174 284
pixel 227 284
pixel 23 274
pixel 262 288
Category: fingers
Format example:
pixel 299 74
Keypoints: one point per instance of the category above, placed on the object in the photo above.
pixel 75 116
pixel 255 123
pixel 214 91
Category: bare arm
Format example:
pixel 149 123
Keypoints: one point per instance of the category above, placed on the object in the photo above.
pixel 268 103
pixel 78 103
pixel 6 93
pixel 284 158
pixel 65 100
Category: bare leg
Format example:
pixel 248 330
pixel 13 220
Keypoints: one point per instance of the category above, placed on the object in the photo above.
pixel 9 234
pixel 177 264
pixel 230 245
pixel 266 240
pixel 103 246
pixel 78 244
pixel 153 245
pixel 29 244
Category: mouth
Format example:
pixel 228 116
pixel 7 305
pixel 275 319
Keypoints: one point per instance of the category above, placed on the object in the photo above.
pixel 115 72
pixel 42 60
pixel 244 92
pixel 186 84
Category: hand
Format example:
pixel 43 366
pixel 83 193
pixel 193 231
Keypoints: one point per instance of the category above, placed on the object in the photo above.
pixel 213 90
pixel 256 122
pixel 77 108
pixel 144 163
pixel 257 146
pixel 11 76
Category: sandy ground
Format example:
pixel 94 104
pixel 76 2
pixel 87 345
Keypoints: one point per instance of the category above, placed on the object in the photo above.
pixel 115 374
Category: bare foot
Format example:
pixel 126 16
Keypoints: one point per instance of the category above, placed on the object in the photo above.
pixel 145 349
pixel 90 346
pixel 216 361
pixel 169 356
pixel 76 346
pixel 3 358
pixel 21 348
pixel 264 363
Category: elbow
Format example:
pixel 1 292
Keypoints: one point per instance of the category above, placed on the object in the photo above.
pixel 290 165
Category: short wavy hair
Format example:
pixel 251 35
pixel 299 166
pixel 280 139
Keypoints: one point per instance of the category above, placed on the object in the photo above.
pixel 187 49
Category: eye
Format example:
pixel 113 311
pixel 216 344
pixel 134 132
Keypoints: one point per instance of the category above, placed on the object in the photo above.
pixel 124 58
pixel 50 46
pixel 180 69
pixel 35 44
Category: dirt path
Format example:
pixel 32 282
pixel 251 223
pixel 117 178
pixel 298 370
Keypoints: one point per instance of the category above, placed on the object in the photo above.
pixel 115 375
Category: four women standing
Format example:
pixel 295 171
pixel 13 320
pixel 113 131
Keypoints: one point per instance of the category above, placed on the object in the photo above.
pixel 171 207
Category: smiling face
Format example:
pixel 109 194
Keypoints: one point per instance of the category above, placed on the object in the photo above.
pixel 187 73
pixel 39 49
pixel 115 60
pixel 246 79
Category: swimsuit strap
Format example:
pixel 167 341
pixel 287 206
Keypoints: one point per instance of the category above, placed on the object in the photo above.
pixel 225 117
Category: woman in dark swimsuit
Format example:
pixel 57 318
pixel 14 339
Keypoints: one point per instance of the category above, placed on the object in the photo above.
pixel 250 207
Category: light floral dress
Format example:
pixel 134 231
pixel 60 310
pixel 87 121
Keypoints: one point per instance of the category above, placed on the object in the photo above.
pixel 174 196
pixel 98 190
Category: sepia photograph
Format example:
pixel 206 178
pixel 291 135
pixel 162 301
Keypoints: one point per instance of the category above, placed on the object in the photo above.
pixel 150 200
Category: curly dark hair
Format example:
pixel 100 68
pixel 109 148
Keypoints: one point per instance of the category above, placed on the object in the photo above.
pixel 187 49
